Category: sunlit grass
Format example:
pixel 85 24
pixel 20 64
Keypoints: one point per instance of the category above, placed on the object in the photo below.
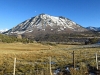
pixel 62 54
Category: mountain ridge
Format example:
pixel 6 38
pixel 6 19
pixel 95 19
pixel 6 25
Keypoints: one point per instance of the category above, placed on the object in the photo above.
pixel 93 28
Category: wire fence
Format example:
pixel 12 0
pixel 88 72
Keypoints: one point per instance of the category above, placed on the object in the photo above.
pixel 73 61
pixel 60 65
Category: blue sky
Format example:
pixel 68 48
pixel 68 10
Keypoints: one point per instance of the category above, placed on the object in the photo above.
pixel 84 12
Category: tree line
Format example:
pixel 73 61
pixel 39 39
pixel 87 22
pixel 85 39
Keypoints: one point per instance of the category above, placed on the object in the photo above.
pixel 12 39
pixel 49 38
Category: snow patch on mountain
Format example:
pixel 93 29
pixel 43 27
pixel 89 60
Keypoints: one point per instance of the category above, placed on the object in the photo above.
pixel 3 30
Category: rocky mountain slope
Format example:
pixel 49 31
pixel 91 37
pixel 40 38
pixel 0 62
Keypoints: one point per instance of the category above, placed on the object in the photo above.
pixel 47 23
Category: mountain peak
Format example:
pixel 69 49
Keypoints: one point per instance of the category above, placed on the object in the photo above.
pixel 42 14
pixel 62 17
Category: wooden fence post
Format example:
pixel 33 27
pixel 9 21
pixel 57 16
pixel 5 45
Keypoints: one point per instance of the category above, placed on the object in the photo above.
pixel 14 66
pixel 73 59
pixel 97 61
pixel 50 65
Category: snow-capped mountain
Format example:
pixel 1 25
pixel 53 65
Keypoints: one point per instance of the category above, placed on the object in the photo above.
pixel 46 23
pixel 93 28
pixel 3 30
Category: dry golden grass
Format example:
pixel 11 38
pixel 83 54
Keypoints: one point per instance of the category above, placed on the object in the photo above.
pixel 37 51
pixel 30 51
pixel 18 48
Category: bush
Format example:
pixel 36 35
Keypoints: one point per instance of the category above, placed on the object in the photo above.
pixel 93 40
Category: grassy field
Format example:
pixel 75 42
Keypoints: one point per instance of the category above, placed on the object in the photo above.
pixel 37 52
